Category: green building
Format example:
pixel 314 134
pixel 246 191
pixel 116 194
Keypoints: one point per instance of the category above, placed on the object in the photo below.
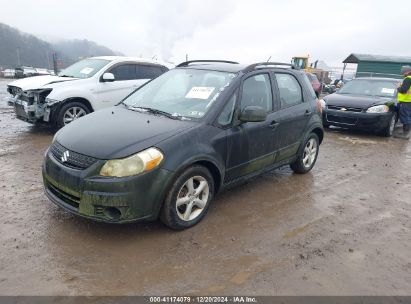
pixel 377 65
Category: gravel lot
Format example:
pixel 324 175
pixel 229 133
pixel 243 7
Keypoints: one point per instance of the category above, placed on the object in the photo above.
pixel 343 229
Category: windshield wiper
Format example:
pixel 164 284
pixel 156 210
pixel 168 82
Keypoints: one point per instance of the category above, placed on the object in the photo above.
pixel 155 111
pixel 65 75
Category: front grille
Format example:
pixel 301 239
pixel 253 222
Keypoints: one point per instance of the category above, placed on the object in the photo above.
pixel 73 159
pixel 342 119
pixel 99 210
pixel 346 109
pixel 69 199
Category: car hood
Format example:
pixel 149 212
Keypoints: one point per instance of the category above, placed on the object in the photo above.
pixel 355 101
pixel 38 82
pixel 117 132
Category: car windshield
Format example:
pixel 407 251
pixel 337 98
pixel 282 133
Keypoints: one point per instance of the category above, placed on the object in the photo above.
pixel 369 88
pixel 84 69
pixel 185 93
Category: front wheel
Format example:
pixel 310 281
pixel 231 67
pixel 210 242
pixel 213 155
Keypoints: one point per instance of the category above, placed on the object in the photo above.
pixel 189 198
pixel 307 156
pixel 389 129
pixel 71 111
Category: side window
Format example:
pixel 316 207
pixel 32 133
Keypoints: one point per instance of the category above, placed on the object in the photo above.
pixel 256 91
pixel 124 72
pixel 149 71
pixel 290 90
pixel 227 113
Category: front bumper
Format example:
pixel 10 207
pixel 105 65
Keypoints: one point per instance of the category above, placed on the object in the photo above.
pixel 357 120
pixel 29 111
pixel 114 200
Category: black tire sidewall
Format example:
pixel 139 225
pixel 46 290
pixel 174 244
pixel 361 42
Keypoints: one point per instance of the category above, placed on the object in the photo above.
pixel 65 107
pixel 168 214
pixel 387 132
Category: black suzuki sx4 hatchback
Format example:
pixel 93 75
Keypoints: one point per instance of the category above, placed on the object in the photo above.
pixel 170 146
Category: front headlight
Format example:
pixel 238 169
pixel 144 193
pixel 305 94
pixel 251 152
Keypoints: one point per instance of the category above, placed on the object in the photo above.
pixel 135 164
pixel 323 104
pixel 378 109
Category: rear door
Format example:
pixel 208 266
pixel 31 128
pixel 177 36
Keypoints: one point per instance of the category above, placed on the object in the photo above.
pixel 294 112
pixel 250 145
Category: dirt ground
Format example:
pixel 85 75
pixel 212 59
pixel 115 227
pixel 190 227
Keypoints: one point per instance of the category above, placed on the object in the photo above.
pixel 343 229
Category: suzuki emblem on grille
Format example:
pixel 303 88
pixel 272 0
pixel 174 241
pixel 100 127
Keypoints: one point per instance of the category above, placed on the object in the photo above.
pixel 343 109
pixel 65 156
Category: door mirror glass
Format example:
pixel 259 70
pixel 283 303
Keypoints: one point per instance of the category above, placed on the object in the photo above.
pixel 253 114
pixel 108 77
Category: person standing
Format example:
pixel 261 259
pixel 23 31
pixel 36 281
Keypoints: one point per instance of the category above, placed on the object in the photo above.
pixel 404 103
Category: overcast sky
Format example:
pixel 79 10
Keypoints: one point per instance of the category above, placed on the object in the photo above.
pixel 242 30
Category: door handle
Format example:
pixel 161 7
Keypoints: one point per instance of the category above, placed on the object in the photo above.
pixel 273 124
pixel 307 113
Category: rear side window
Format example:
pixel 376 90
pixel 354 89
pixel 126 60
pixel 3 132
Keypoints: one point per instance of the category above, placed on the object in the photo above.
pixel 290 90
pixel 149 71
pixel 257 92
pixel 124 72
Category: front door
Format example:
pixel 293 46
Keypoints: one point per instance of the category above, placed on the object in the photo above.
pixel 250 145
pixel 125 81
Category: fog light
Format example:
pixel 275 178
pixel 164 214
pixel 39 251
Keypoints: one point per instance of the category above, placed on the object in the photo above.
pixel 112 213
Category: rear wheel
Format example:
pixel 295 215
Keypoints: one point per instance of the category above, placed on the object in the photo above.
pixel 70 112
pixel 307 156
pixel 389 129
pixel 189 198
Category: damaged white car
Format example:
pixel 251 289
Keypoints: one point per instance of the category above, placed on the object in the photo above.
pixel 84 87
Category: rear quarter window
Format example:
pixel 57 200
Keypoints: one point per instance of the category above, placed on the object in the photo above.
pixel 309 87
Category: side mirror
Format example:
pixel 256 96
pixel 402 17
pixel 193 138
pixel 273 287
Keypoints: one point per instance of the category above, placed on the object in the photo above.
pixel 253 114
pixel 108 77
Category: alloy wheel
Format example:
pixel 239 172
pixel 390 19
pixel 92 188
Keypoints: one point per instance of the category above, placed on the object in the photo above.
pixel 310 152
pixel 73 113
pixel 192 198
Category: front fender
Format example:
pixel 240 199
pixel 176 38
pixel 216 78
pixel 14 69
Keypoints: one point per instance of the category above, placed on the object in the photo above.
pixel 68 93
pixel 183 150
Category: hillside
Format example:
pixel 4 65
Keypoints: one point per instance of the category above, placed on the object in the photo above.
pixel 19 48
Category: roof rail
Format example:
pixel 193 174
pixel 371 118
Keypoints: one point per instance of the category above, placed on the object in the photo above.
pixel 186 63
pixel 253 66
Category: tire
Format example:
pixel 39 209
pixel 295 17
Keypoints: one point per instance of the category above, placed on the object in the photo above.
pixel 389 129
pixel 303 164
pixel 76 109
pixel 178 217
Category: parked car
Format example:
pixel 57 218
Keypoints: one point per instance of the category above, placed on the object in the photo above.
pixel 40 71
pixel 84 87
pixel 315 84
pixel 329 88
pixel 9 73
pixel 169 147
pixel 363 103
